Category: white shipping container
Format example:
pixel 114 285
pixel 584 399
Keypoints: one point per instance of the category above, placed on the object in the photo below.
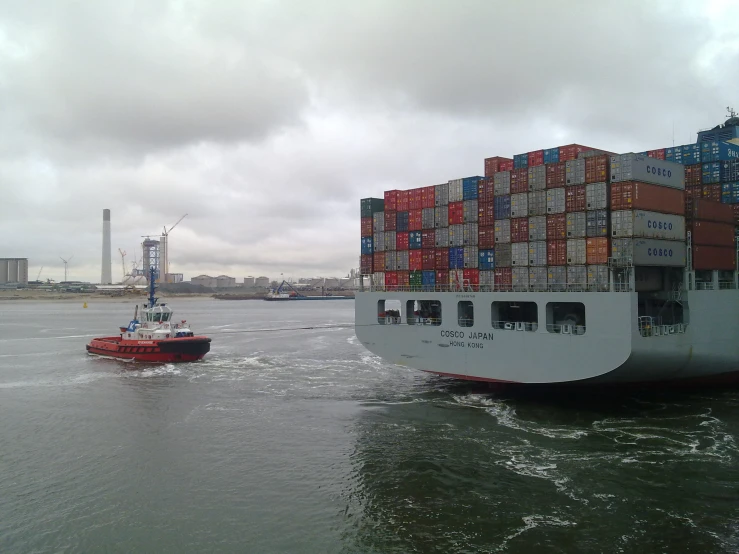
pixel 441 195
pixel 469 208
pixel 538 278
pixel 635 167
pixel 503 255
pixel 641 223
pixel 391 261
pixel 441 217
pixel 378 279
pixel 389 241
pixel 520 278
pixel 520 204
pixel 470 257
pixel 441 238
pixel 538 227
pixel 538 202
pixel 538 253
pixel 575 172
pixel 379 242
pixel 456 192
pixel 456 235
pixel 576 225
pixel 402 261
pixel 487 278
pixel 650 252
pixel 503 230
pixel 502 183
pixel 427 218
pixel 557 277
pixel 598 277
pixel 577 277
pixel 537 178
pixel 378 222
pixel 597 196
pixel 576 251
pixel 556 201
pixel 519 254
pixel 470 234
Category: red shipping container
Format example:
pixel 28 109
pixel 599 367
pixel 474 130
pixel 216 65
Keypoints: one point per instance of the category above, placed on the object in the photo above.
pixel 503 277
pixel 536 158
pixel 415 260
pixel 415 199
pixel 401 240
pixel 366 227
pixel 557 252
pixel 442 259
pixel 712 192
pixel 428 239
pixel 570 151
pixel 485 190
pixel 657 154
pixel 556 175
pixel 391 279
pixel 379 261
pixel 415 220
pixel 403 200
pixel 575 199
pixel 391 221
pixel 404 279
pixel 519 180
pixel 706 210
pixel 506 164
pixel 633 195
pixel 735 208
pixel 428 258
pixel 486 237
pixel 471 275
pixel 442 280
pixel 597 250
pixel 693 175
pixel 429 198
pixel 366 265
pixel 519 229
pixel 456 213
pixel 714 257
pixel 391 200
pixel 596 169
pixel 493 165
pixel 710 233
pixel 556 227
pixel 486 214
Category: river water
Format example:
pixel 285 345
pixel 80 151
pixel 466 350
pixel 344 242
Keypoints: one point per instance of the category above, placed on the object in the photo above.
pixel 302 441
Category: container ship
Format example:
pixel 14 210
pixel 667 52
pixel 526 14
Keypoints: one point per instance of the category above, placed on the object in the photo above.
pixel 569 265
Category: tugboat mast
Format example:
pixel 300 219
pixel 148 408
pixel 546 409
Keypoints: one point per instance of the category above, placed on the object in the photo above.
pixel 152 288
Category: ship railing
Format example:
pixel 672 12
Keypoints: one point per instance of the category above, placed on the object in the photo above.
pixel 426 321
pixel 516 325
pixel 620 261
pixel 621 286
pixel 566 329
pixel 559 287
pixel 726 285
pixel 704 285
pixel 653 327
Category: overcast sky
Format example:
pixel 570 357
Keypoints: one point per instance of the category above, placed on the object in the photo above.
pixel 266 121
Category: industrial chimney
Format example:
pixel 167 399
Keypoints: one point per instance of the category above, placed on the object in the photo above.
pixel 107 277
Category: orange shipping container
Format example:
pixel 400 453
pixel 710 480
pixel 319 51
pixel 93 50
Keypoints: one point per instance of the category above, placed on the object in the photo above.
pixel 633 195
pixel 596 169
pixel 597 250
pixel 705 210
pixel 366 227
pixel 714 257
pixel 710 233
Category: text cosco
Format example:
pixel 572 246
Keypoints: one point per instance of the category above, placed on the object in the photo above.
pixel 660 252
pixel 661 225
pixel 658 171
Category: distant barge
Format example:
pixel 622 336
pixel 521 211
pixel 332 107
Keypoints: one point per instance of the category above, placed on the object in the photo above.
pixel 279 295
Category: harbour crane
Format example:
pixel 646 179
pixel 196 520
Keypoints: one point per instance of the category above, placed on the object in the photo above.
pixel 39 273
pixel 165 241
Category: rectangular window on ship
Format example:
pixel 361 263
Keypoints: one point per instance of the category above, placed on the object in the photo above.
pixel 465 313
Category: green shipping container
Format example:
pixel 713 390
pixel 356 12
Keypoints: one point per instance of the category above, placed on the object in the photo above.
pixel 372 205
pixel 416 280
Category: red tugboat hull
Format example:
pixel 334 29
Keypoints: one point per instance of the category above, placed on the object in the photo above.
pixel 173 350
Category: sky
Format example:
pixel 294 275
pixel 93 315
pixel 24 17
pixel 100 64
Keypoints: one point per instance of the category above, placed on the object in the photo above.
pixel 267 121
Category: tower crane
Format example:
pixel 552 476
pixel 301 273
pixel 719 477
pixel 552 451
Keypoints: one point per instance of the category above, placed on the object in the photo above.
pixel 165 237
pixel 123 264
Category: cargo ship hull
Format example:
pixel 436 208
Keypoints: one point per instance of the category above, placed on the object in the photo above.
pixel 611 348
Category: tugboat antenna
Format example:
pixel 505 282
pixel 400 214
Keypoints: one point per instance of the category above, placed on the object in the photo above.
pixel 152 287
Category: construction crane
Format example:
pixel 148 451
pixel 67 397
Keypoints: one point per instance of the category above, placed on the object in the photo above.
pixel 66 262
pixel 39 273
pixel 165 241
pixel 123 264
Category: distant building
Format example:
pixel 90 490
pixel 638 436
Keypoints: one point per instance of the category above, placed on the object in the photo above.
pixel 205 281
pixel 224 281
pixel 174 278
pixel 14 270
pixel 262 282
pixel 248 281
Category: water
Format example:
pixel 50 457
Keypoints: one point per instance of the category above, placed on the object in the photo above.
pixel 302 441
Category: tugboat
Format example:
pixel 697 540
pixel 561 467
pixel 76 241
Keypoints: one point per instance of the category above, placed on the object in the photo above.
pixel 156 338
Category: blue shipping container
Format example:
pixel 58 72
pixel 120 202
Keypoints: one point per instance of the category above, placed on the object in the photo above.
pixel 428 278
pixel 551 155
pixel 502 207
pixel 730 193
pixel 367 246
pixel 486 259
pixel 730 171
pixel 414 240
pixel 674 154
pixel 520 160
pixel 691 154
pixel 469 188
pixel 402 221
pixel 719 151
pixel 711 173
pixel 456 258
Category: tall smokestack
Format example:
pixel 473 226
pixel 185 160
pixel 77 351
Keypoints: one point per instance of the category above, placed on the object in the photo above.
pixel 106 278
